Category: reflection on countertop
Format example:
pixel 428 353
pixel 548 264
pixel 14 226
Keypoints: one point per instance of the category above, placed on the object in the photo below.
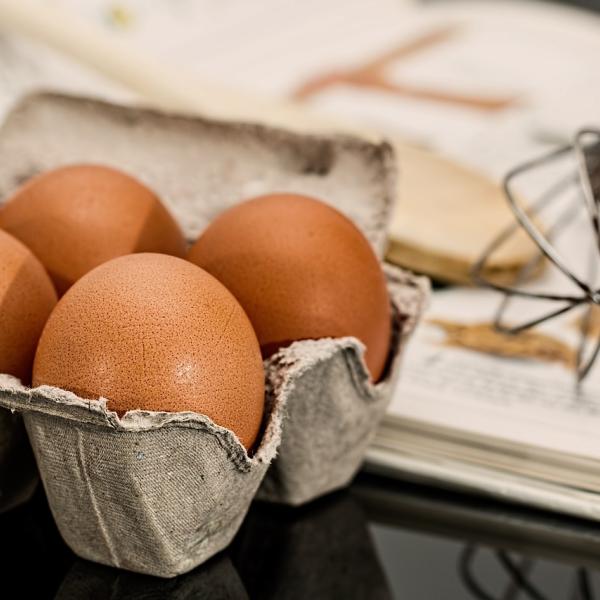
pixel 436 543
pixel 215 579
pixel 381 539
pixel 323 550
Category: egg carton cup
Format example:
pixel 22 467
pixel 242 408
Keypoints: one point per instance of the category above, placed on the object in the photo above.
pixel 332 409
pixel 151 492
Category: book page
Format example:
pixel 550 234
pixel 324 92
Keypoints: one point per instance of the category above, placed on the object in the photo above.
pixel 476 81
pixel 27 66
pixel 529 400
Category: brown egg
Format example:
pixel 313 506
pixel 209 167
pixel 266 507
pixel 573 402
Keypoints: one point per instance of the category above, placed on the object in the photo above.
pixel 301 270
pixel 154 332
pixel 78 217
pixel 27 298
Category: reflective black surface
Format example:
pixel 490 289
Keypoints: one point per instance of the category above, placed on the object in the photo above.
pixel 380 539
pixel 437 544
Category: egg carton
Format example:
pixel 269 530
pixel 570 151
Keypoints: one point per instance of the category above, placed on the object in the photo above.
pixel 159 493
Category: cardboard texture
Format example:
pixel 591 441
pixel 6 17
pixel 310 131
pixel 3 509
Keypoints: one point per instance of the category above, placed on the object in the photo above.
pixel 155 493
pixel 332 410
pixel 160 493
pixel 199 167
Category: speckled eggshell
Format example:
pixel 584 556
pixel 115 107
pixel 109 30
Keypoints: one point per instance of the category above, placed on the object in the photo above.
pixel 154 332
pixel 77 217
pixel 301 270
pixel 27 298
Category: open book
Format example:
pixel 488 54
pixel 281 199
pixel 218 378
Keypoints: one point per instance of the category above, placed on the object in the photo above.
pixel 517 428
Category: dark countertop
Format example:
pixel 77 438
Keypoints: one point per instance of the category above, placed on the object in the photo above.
pixel 380 539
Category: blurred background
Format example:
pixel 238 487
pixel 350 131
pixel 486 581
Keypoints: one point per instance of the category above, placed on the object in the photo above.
pixel 484 84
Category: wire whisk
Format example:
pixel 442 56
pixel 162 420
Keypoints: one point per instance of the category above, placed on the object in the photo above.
pixel 582 181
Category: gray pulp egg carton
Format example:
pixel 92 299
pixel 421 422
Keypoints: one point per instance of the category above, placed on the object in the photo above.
pixel 160 493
